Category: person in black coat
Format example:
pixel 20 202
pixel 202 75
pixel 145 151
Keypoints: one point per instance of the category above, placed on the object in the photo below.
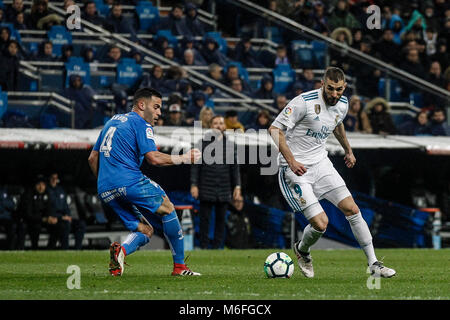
pixel 214 181
pixel 116 22
pixel 82 95
pixel 9 67
pixel 194 25
pixel 91 15
pixel 245 54
pixel 211 53
pixel 175 22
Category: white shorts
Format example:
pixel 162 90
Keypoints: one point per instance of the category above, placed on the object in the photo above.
pixel 321 181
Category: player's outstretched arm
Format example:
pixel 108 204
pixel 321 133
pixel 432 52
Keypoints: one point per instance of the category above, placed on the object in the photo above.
pixel 93 162
pixel 349 158
pixel 157 158
pixel 280 141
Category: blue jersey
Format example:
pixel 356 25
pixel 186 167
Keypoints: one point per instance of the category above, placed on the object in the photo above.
pixel 122 144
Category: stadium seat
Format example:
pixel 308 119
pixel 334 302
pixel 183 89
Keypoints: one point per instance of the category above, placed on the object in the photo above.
pixel 395 89
pixel 76 65
pixel 416 99
pixel 274 34
pixel 320 52
pixel 102 8
pixel 3 102
pixel 128 72
pixel 148 15
pixel 59 36
pixel 303 54
pixel 223 45
pixel 284 76
pixel 173 41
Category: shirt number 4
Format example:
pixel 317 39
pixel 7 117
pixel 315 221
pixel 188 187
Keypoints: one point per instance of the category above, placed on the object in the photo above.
pixel 106 145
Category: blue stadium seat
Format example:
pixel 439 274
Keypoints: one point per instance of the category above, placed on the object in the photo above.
pixel 76 65
pixel 3 102
pixel 223 45
pixel 102 8
pixel 128 72
pixel 303 54
pixel 173 41
pixel 284 76
pixel 59 36
pixel 320 52
pixel 1 4
pixel 416 99
pixel 274 34
pixel 395 90
pixel 148 15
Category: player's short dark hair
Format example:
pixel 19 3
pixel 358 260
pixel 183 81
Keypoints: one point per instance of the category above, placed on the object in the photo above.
pixel 335 74
pixel 146 93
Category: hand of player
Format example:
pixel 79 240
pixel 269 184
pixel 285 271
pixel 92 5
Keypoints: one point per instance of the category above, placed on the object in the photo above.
pixel 52 220
pixel 194 192
pixel 350 160
pixel 297 168
pixel 193 155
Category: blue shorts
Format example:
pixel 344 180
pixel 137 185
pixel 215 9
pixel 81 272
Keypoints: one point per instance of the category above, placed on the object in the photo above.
pixel 129 203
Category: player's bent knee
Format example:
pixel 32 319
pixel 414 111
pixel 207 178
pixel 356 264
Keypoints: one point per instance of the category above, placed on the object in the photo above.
pixel 166 208
pixel 145 229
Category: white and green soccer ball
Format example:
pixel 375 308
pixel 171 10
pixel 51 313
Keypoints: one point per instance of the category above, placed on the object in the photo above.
pixel 279 265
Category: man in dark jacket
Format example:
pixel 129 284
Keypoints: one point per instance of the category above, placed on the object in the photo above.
pixel 215 182
pixel 82 95
pixel 59 220
pixel 194 25
pixel 34 212
pixel 175 22
pixel 9 67
pixel 116 22
pixel 91 15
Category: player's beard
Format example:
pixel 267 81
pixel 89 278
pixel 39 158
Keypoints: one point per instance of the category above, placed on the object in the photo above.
pixel 330 101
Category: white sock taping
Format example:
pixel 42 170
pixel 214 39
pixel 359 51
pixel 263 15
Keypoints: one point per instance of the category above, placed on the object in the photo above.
pixel 310 237
pixel 362 234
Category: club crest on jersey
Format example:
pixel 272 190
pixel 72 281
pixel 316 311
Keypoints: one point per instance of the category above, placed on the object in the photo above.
pixel 302 201
pixel 317 108
pixel 288 111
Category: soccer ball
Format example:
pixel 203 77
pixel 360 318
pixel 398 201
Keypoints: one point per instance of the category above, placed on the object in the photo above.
pixel 278 265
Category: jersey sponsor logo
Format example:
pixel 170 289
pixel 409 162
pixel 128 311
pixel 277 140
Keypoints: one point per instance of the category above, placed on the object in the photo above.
pixel 149 132
pixel 317 108
pixel 321 135
pixel 288 111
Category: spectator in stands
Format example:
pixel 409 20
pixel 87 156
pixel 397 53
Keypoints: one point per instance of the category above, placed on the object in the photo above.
pixel 116 22
pixel 9 67
pixel 237 85
pixel 211 53
pixel 13 9
pixel 175 117
pixel 438 125
pixel 418 126
pixel 430 19
pixel 196 105
pixel 121 102
pixel 82 95
pixel 357 119
pixel 195 27
pixel 280 102
pixel 297 89
pixel 175 22
pixel 357 38
pixel 281 55
pixel 19 23
pixel 88 54
pixel 306 78
pixel 66 52
pixel 396 25
pixel 8 217
pixel 215 72
pixel 46 52
pixel 441 54
pixel 430 38
pixel 303 13
pixel 386 49
pixel 41 18
pixel 91 15
pixel 341 17
pixel 266 89
pixel 416 24
pixel 215 182
pixel 189 58
pixel 245 54
pixel 137 56
pixel 435 77
pixel 185 88
pixel 338 58
pixel 210 92
pixel 380 118
pixel 2 16
pixel 320 19
pixel 160 43
pixel 59 219
pixel 232 121
pixel 367 77
pixel 413 65
pixel 263 121
pixel 232 74
pixel 5 38
pixel 174 76
pixel 169 53
pixel 205 116
pixel 33 213
pixel 157 80
pixel 189 43
pixel 114 55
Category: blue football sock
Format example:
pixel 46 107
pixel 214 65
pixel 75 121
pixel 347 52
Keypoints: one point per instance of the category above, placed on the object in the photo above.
pixel 174 235
pixel 134 241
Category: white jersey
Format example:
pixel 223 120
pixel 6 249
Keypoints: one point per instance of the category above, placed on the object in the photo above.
pixel 308 122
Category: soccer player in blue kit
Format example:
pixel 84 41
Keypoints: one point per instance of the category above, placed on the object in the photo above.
pixel 125 141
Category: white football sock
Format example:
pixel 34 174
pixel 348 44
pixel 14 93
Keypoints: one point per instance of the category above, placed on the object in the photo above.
pixel 362 234
pixel 310 236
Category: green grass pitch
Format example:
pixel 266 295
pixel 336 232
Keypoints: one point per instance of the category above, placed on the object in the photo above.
pixel 227 275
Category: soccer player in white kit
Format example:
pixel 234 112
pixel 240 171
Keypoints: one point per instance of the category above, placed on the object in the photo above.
pixel 307 175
